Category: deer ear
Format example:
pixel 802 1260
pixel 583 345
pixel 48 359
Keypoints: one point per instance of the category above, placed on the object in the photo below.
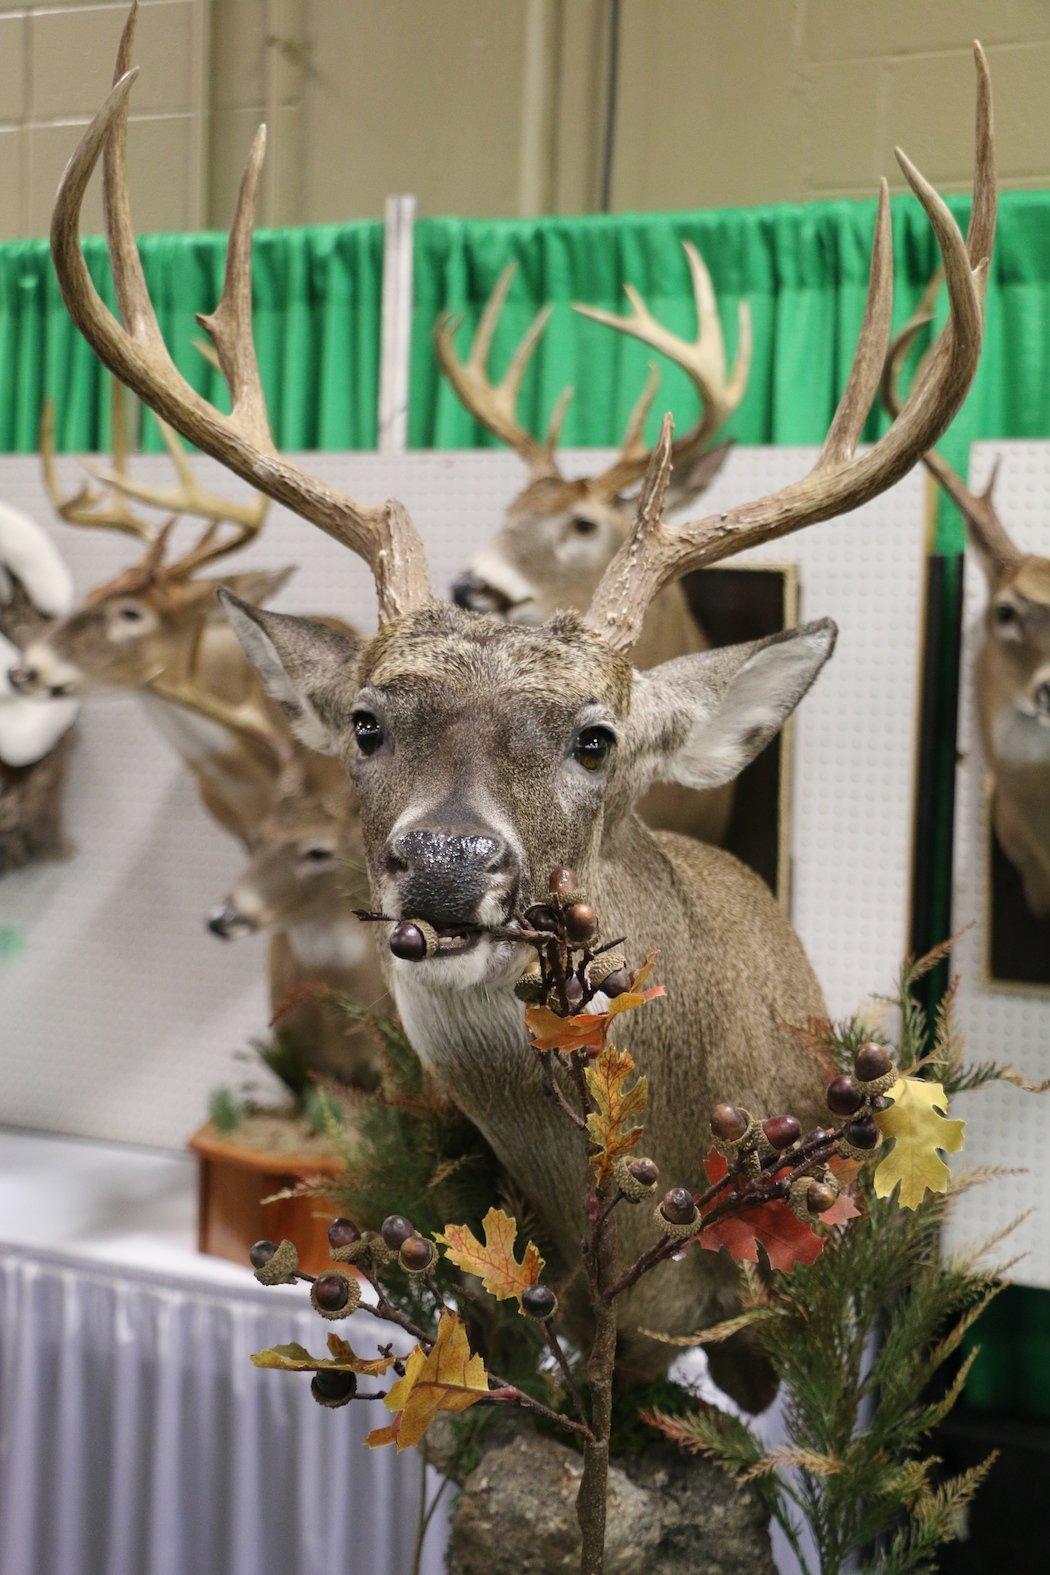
pixel 701 719
pixel 307 666
pixel 257 585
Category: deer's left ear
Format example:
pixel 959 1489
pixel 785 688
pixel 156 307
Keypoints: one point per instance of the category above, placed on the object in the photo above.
pixel 306 665
pixel 701 719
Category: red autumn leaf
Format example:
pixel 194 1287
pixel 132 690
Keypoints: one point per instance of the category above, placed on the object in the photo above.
pixel 784 1238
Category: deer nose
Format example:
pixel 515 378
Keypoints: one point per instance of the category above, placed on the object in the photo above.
pixel 22 678
pixel 476 596
pixel 221 920
pixel 1042 699
pixel 443 875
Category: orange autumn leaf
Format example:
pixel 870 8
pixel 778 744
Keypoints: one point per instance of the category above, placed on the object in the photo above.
pixel 493 1261
pixel 447 1378
pixel 296 1358
pixel 784 1239
pixel 610 1126
pixel 588 1030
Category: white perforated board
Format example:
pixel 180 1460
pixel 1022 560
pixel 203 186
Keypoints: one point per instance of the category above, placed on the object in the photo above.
pixel 1007 1127
pixel 121 1012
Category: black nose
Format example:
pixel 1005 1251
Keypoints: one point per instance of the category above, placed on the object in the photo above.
pixel 445 874
pixel 476 596
pixel 22 677
pixel 219 921
pixel 1042 699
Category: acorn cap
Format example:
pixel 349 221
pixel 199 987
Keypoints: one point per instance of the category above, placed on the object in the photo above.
pixel 353 1298
pixel 633 1189
pixel 599 968
pixel 798 1195
pixel 281 1268
pixel 679 1232
pixel 371 1252
pixel 529 987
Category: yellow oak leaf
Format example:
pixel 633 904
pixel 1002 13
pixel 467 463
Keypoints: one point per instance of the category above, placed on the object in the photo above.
pixel 610 1126
pixel 295 1358
pixel 446 1378
pixel 493 1261
pixel 918 1125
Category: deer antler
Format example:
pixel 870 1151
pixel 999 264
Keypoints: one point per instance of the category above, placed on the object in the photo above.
pixel 703 359
pixel 977 508
pixel 841 480
pixel 107 510
pixel 134 350
pixel 495 404
pixel 240 719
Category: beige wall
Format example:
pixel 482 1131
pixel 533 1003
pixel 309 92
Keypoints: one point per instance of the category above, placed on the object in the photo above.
pixel 499 106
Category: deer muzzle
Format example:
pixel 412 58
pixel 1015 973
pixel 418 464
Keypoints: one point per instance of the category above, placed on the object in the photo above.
pixel 452 878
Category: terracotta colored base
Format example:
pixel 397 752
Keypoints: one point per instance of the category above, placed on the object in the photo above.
pixel 231 1184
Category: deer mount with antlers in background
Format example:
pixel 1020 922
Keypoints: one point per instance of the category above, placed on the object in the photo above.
pixel 560 535
pixel 487 753
pixel 1012 677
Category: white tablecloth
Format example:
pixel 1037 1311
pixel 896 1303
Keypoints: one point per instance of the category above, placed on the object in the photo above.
pixel 135 1436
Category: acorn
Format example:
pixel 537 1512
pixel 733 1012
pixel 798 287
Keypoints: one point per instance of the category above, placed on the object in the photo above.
pixel 333 1389
pixel 820 1197
pixel 782 1131
pixel 602 971
pixel 412 940
pixel 417 1255
pixel 562 881
pixel 809 1197
pixel 395 1229
pixel 645 1171
pixel 342 1233
pixel 728 1123
pixel 617 982
pixel 581 922
pixel 843 1096
pixel 333 1295
pixel 529 987
pixel 541 916
pixel 862 1133
pixel 871 1062
pixel 677 1206
pixel 573 991
pixel 539 1301
pixel 260 1253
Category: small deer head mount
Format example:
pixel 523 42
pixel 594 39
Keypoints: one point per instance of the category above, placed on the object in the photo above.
pixel 559 535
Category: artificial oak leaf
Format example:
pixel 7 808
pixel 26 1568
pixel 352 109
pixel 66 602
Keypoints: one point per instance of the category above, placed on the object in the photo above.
pixel 295 1358
pixel 610 1126
pixel 588 1030
pixel 446 1378
pixel 919 1126
pixel 493 1261
pixel 841 1210
pixel 784 1239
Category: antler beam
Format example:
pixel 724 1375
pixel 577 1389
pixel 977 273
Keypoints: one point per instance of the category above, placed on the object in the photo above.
pixel 134 350
pixel 654 554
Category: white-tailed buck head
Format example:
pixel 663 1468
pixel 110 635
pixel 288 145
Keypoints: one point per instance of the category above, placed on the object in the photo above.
pixel 485 753
pixel 149 618
pixel 560 535
pixel 1013 662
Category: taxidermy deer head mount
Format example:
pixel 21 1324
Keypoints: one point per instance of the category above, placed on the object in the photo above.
pixel 487 753
pixel 1013 663
pixel 560 535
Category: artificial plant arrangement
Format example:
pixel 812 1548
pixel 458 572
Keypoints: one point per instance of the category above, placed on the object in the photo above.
pixel 852 1197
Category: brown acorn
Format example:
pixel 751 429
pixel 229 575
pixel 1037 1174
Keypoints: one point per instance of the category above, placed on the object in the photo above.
pixel 677 1206
pixel 342 1233
pixel 529 987
pixel 843 1096
pixel 417 1254
pixel 395 1229
pixel 871 1062
pixel 409 941
pixel 562 881
pixel 260 1253
pixel 333 1295
pixel 862 1133
pixel 645 1171
pixel 539 1301
pixel 820 1197
pixel 333 1389
pixel 617 982
pixel 541 916
pixel 573 991
pixel 781 1131
pixel 728 1123
pixel 581 922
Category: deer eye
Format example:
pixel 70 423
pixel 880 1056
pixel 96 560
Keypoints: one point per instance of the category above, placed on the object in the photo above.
pixel 593 747
pixel 131 614
pixel 582 526
pixel 1005 615
pixel 367 731
pixel 318 855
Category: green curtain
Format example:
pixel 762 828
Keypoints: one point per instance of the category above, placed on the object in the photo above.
pixel 803 268
pixel 317 316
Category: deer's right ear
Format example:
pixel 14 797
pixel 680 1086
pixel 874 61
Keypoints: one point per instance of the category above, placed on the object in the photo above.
pixel 307 666
pixel 700 720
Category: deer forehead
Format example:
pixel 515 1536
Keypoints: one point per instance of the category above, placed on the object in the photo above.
pixel 463 656
pixel 1032 581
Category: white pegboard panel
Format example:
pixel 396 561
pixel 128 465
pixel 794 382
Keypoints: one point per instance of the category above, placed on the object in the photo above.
pixel 1006 1024
pixel 121 1012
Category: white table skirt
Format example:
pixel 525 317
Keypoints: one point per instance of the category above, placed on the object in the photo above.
pixel 137 1439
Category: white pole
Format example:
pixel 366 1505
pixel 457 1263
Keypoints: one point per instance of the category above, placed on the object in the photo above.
pixel 396 342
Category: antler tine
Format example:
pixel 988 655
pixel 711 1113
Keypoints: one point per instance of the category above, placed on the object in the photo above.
pixel 703 359
pixel 134 350
pixel 987 530
pixel 99 510
pixel 631 445
pixel 493 404
pixel 654 555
